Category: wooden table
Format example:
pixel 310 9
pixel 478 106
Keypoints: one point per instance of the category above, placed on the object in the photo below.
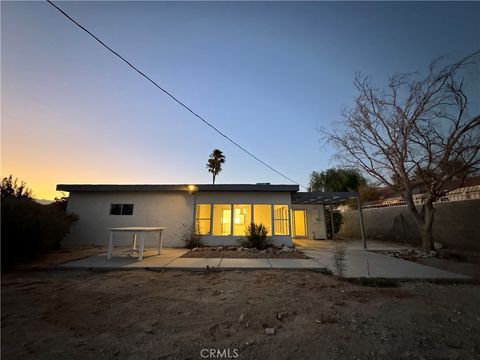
pixel 138 234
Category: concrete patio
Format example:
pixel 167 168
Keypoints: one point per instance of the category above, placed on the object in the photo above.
pixel 359 263
pixel 362 263
pixel 170 258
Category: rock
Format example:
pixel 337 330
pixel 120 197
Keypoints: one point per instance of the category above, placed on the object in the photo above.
pixel 196 249
pixel 286 249
pixel 263 251
pixel 437 245
pixel 240 248
pixel 247 324
pixel 241 317
pixel 270 331
pixel 281 315
pixel 318 321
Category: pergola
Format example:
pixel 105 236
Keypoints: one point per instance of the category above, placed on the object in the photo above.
pixel 330 198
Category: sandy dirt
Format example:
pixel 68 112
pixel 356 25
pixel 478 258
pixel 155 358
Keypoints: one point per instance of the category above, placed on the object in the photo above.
pixel 174 315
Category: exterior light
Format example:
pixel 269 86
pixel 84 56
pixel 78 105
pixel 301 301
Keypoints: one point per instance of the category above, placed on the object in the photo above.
pixel 192 189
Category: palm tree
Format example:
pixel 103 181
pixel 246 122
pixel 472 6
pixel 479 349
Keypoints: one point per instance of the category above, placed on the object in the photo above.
pixel 215 161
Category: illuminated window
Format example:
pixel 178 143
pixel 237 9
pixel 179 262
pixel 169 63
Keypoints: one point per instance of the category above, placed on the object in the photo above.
pixel 202 219
pixel 222 219
pixel 242 216
pixel 262 214
pixel 280 213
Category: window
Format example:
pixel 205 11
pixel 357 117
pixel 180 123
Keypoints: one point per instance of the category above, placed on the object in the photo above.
pixel 121 209
pixel 262 213
pixel 242 217
pixel 202 219
pixel 222 219
pixel 280 213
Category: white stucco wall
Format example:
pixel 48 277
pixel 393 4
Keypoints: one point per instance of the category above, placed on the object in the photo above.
pixel 275 198
pixel 315 220
pixel 169 209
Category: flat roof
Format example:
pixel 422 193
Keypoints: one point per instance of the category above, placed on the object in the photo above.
pixel 177 187
pixel 322 197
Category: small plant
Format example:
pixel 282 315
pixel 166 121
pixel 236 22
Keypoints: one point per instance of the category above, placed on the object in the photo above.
pixel 190 238
pixel 339 259
pixel 256 237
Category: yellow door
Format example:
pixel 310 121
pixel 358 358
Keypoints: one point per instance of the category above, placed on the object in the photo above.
pixel 299 223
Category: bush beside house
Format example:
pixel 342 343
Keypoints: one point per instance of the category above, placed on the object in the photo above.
pixel 29 228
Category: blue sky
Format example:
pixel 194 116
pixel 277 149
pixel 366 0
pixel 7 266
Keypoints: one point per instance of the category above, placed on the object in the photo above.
pixel 267 74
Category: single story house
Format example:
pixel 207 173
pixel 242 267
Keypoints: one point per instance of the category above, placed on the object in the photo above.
pixel 220 213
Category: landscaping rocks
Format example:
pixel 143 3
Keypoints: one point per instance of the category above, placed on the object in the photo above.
pixel 409 254
pixel 270 331
pixel 230 251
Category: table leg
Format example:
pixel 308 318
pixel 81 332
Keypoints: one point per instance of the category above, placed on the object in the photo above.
pixel 134 241
pixel 110 246
pixel 142 244
pixel 160 240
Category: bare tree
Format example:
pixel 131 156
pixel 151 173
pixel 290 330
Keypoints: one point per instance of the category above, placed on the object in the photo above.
pixel 415 134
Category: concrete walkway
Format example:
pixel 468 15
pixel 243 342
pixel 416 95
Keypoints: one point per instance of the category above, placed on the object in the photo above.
pixel 362 263
pixel 170 259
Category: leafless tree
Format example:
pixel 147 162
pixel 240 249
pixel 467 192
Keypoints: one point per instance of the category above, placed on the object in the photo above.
pixel 414 134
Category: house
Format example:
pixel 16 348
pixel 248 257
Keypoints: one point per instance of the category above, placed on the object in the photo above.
pixel 220 213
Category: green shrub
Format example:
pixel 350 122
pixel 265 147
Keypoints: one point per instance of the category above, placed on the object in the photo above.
pixel 30 229
pixel 256 236
pixel 190 238
pixel 337 222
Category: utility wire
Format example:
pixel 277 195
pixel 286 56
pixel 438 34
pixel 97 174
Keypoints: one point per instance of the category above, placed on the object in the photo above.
pixel 170 95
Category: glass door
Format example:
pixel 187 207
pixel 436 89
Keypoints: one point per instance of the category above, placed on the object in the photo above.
pixel 300 223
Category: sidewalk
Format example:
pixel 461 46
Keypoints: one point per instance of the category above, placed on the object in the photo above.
pixel 361 263
pixel 171 259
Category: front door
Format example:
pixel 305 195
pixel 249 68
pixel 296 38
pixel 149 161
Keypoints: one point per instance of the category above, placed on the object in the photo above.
pixel 300 223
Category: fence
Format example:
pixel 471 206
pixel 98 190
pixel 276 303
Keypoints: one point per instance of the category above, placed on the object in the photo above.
pixel 456 224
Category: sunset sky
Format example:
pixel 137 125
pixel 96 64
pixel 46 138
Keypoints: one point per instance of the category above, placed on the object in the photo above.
pixel 267 74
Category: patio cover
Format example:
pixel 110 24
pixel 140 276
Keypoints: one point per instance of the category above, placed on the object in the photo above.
pixel 330 198
pixel 322 198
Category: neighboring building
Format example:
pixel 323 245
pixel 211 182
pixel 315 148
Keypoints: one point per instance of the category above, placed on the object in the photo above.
pixel 220 213
pixel 457 190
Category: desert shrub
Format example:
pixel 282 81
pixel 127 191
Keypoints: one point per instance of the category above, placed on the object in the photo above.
pixel 339 259
pixel 30 229
pixel 337 222
pixel 190 238
pixel 256 236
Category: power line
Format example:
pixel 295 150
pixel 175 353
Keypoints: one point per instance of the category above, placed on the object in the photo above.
pixel 170 95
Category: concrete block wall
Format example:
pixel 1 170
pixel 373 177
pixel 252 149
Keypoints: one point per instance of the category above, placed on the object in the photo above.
pixel 456 224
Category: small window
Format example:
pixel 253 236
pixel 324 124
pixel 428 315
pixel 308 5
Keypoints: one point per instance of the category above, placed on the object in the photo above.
pixel 121 209
pixel 127 209
pixel 116 209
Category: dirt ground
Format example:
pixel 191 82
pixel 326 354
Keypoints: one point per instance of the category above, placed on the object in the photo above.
pixel 174 315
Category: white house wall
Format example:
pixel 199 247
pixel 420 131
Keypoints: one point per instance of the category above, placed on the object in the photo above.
pixel 315 220
pixel 169 209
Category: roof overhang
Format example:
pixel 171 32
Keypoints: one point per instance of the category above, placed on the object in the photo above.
pixel 178 187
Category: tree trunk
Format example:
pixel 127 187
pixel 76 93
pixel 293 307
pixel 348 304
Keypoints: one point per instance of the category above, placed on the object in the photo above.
pixel 424 219
pixel 427 233
pixel 214 179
